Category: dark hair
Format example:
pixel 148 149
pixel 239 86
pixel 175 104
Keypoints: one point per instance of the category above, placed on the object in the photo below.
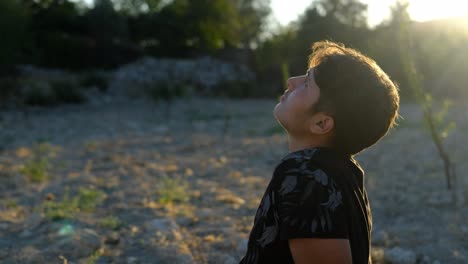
pixel 356 92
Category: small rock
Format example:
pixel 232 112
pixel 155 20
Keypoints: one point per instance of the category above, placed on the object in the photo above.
pixel 230 260
pixel 132 260
pixel 440 199
pixel 185 221
pixel 205 213
pixel 25 233
pixel 380 238
pixel 425 260
pixel 112 239
pixel 377 254
pixel 83 242
pixel 163 226
pixel 242 246
pixel 398 255
pixel 33 221
pixel 102 260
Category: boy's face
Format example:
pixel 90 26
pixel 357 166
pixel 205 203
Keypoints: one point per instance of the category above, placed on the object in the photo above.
pixel 294 109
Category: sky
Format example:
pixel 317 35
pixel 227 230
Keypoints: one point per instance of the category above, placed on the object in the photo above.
pixel 286 11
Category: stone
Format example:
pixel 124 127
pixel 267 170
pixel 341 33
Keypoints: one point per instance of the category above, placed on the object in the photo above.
pixel 112 239
pixel 161 225
pixel 380 238
pixel 242 246
pixel 132 260
pixel 81 243
pixel 229 260
pixel 204 72
pixel 397 255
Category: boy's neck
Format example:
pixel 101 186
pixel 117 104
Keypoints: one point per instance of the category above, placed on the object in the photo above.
pixel 298 144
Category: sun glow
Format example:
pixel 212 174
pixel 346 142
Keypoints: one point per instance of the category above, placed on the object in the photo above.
pixel 423 10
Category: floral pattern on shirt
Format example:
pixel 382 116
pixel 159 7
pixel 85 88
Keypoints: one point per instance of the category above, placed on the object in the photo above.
pixel 301 200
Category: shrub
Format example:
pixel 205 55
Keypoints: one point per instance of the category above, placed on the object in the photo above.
pixel 166 91
pixel 111 222
pixel 36 170
pixel 38 93
pixel 85 200
pixel 94 79
pixel 54 92
pixel 67 92
pixel 9 87
pixel 172 190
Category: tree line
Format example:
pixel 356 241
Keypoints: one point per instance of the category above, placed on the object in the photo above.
pixel 109 33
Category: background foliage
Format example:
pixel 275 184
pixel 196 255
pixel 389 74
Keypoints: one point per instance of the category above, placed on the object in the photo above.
pixel 109 33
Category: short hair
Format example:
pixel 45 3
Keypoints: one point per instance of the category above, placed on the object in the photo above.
pixel 356 92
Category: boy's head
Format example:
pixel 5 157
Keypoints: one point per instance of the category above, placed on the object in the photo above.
pixel 345 101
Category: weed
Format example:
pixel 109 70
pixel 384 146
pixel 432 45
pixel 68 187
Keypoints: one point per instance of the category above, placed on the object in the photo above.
pixel 85 200
pixel 90 146
pixel 94 257
pixel 36 170
pixel 9 203
pixel 172 190
pixel 111 222
pixel 94 79
pixel 51 93
pixel 38 93
pixel 67 92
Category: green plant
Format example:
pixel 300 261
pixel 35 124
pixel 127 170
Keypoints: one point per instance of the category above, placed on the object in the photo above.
pixel 88 199
pixel 36 169
pixel 172 190
pixel 94 257
pixel 38 93
pixel 436 123
pixel 85 200
pixel 111 222
pixel 67 91
pixel 165 91
pixel 9 87
pixel 90 146
pixel 9 203
pixel 94 79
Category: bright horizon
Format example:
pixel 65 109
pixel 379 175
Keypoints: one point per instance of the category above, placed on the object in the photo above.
pixel 284 11
pixel 419 10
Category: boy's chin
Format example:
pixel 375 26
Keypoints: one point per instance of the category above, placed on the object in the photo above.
pixel 278 117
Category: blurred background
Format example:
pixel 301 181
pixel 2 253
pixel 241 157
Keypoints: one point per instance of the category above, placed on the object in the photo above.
pixel 141 131
pixel 262 37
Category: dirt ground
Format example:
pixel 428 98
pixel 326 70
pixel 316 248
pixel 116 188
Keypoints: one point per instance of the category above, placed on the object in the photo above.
pixel 182 186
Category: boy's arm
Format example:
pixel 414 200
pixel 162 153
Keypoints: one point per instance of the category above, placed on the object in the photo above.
pixel 319 250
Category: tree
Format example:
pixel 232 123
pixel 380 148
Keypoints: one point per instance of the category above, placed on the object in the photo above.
pixel 13 25
pixel 348 12
pixel 104 23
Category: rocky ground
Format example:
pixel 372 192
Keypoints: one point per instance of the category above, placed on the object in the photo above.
pixel 130 182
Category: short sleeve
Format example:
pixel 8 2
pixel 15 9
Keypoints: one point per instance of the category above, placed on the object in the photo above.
pixel 308 203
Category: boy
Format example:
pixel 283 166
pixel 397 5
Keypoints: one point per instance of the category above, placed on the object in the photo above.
pixel 315 208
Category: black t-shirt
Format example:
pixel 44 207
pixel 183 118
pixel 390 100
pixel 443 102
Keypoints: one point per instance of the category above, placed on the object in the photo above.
pixel 314 193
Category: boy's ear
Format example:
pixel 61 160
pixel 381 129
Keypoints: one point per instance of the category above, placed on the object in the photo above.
pixel 321 123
